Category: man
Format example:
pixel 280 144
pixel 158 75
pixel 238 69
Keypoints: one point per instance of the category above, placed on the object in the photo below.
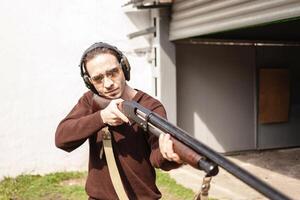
pixel 105 71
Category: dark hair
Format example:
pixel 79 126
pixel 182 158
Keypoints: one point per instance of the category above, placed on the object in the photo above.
pixel 97 51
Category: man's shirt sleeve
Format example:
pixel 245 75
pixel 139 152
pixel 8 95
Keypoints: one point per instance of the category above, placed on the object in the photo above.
pixel 79 125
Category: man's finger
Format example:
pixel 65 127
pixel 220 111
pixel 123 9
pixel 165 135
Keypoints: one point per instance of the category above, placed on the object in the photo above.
pixel 118 121
pixel 160 141
pixel 121 115
pixel 162 145
pixel 170 147
pixel 117 101
pixel 166 138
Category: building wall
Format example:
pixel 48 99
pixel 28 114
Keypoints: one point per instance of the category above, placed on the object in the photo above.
pixel 284 134
pixel 41 44
pixel 215 95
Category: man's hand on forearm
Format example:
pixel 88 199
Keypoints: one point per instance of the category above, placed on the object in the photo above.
pixel 166 149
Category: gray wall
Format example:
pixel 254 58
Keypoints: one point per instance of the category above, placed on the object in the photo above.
pixel 282 134
pixel 215 94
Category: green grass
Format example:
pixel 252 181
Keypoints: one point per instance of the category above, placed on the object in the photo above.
pixel 170 189
pixel 55 186
pixel 31 187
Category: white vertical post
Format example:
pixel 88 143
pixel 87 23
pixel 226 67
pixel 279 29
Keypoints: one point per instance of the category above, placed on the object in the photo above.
pixel 164 64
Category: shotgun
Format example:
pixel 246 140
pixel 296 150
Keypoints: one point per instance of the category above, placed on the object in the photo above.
pixel 192 151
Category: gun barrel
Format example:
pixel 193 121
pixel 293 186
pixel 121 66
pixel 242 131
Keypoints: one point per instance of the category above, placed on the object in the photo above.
pixel 130 108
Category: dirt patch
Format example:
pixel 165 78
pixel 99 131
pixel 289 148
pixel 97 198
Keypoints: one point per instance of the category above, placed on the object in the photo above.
pixel 166 195
pixel 77 182
pixel 52 197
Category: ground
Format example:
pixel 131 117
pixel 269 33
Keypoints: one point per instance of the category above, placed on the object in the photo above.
pixel 279 168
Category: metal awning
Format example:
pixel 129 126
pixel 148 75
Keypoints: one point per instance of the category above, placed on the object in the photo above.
pixel 191 18
pixel 146 4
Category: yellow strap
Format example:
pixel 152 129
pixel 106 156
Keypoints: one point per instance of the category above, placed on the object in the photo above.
pixel 205 187
pixel 203 194
pixel 112 167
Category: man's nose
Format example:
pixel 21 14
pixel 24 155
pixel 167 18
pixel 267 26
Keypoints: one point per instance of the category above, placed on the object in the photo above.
pixel 108 82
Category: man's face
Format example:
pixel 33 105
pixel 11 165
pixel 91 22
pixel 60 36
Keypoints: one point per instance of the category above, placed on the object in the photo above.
pixel 106 75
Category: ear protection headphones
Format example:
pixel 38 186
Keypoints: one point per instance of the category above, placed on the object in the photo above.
pixel 120 56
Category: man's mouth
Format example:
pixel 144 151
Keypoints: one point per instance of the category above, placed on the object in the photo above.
pixel 112 91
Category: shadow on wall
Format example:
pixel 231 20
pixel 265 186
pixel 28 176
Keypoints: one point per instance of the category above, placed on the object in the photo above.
pixel 216 96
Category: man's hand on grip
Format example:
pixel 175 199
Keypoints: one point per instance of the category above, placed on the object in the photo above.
pixel 111 115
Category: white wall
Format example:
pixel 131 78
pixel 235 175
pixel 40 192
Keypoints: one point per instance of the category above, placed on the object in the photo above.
pixel 41 44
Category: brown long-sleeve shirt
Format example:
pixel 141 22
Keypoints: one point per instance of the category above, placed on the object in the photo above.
pixel 136 151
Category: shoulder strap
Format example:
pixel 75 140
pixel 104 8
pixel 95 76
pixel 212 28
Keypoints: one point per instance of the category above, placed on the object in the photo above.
pixel 203 193
pixel 112 167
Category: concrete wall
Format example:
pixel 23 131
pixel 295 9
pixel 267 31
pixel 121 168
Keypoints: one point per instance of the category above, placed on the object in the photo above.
pixel 285 134
pixel 215 95
pixel 41 44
